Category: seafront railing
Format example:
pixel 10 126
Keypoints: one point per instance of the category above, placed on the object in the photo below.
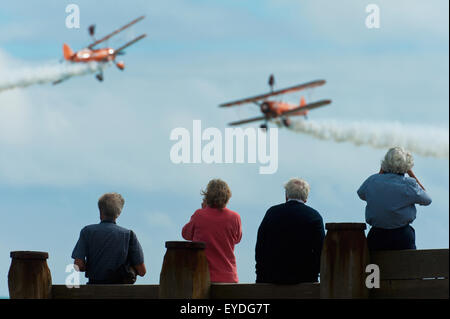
pixel 348 270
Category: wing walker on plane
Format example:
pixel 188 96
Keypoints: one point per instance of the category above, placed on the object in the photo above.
pixel 279 111
pixel 100 55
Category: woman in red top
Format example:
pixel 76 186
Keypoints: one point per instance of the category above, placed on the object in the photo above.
pixel 220 228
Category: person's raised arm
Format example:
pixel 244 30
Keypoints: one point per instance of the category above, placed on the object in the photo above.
pixel 362 190
pixel 411 174
pixel 188 230
pixel 421 196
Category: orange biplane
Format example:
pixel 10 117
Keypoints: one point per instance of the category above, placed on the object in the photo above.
pixel 279 111
pixel 103 55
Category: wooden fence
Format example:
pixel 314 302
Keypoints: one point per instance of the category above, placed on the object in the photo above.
pixel 419 274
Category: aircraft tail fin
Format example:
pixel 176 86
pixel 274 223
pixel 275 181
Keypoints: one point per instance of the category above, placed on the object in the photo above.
pixel 67 51
pixel 302 101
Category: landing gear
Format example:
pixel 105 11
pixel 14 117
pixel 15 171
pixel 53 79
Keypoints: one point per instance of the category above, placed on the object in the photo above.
pixel 120 65
pixel 263 127
pixel 286 122
pixel 99 77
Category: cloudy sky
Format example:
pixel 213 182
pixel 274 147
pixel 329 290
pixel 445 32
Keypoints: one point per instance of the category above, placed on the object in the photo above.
pixel 63 146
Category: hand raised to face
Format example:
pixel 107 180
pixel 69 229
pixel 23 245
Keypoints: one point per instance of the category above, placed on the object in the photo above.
pixel 411 174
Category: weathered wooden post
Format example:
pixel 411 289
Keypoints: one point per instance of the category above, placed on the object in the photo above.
pixel 185 271
pixel 29 275
pixel 345 256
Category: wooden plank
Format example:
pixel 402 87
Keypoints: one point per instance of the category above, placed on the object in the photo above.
pixel 411 289
pixel 389 289
pixel 411 264
pixel 106 292
pixel 265 291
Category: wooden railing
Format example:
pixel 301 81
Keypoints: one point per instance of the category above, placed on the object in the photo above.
pixel 403 274
pixel 419 274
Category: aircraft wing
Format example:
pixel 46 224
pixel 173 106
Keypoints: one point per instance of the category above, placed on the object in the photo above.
pixel 90 46
pixel 300 108
pixel 278 92
pixel 255 119
pixel 126 45
pixel 307 107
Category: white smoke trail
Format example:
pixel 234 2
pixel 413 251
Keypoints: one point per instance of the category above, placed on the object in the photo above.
pixel 46 74
pixel 422 140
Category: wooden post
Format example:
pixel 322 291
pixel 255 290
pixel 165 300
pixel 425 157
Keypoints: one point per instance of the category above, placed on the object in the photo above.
pixel 29 275
pixel 185 271
pixel 345 256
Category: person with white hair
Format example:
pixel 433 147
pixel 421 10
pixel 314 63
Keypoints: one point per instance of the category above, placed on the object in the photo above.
pixel 391 197
pixel 106 252
pixel 290 239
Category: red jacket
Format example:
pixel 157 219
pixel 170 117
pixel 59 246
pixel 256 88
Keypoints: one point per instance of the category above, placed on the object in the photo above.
pixel 220 229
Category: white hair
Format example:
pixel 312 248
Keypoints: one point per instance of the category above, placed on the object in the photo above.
pixel 297 188
pixel 397 160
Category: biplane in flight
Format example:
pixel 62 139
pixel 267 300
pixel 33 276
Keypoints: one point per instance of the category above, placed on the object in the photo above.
pixel 101 55
pixel 279 111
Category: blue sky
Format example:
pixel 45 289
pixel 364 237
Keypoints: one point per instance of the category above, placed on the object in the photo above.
pixel 62 147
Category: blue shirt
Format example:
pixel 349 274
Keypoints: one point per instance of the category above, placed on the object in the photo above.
pixel 391 200
pixel 104 247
